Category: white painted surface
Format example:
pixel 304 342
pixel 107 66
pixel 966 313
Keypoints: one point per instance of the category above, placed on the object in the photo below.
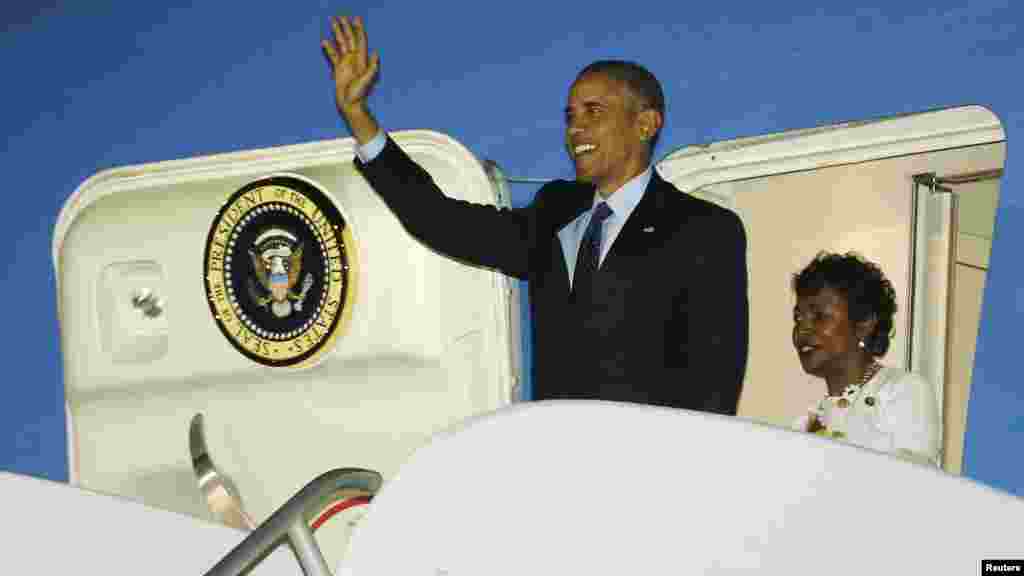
pixel 603 488
pixel 54 528
pixel 430 340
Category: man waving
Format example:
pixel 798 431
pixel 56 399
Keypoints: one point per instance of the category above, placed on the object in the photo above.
pixel 638 292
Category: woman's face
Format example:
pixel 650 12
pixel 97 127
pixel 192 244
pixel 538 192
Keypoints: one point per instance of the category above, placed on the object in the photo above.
pixel 824 338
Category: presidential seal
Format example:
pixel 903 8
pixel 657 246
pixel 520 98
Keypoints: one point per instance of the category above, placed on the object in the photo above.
pixel 278 271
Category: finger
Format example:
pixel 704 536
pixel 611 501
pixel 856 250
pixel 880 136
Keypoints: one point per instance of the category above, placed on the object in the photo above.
pixel 343 35
pixel 359 36
pixel 339 36
pixel 330 52
pixel 372 69
pixel 365 79
pixel 346 30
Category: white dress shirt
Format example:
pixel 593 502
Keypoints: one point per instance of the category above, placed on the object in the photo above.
pixel 371 149
pixel 622 202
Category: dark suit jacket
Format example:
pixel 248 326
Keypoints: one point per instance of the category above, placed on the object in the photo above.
pixel 669 324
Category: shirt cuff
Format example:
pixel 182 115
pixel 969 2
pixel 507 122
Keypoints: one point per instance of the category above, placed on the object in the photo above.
pixel 367 152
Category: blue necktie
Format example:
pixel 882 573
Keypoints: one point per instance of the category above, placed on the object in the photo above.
pixel 590 251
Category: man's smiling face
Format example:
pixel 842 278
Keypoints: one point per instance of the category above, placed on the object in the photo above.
pixel 606 132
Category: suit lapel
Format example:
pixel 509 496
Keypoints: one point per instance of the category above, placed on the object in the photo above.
pixel 646 226
pixel 566 240
pixel 558 265
pixel 645 229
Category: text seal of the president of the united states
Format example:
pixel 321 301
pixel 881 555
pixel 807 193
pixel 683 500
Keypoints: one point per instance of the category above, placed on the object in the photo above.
pixel 278 270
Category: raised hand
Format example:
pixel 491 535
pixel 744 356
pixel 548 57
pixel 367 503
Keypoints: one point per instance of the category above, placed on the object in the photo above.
pixel 353 70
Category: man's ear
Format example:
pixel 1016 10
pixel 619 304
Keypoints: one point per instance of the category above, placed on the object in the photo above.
pixel 649 122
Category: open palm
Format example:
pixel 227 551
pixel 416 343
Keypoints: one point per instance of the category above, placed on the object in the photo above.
pixel 352 67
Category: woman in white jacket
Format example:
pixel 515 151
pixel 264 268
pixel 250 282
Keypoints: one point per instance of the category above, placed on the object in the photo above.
pixel 841 326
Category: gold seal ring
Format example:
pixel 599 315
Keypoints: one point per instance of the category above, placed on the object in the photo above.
pixel 279 271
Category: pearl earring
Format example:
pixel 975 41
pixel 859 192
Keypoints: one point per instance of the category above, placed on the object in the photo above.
pixel 860 344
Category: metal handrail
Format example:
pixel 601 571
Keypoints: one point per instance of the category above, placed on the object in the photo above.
pixel 217 488
pixel 291 522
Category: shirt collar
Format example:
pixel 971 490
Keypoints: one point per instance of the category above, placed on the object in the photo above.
pixel 624 200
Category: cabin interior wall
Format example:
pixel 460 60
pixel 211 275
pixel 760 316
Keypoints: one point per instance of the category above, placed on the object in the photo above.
pixel 975 217
pixel 865 208
pixel 838 209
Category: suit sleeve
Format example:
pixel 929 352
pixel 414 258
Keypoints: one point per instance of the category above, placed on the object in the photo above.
pixel 480 234
pixel 718 315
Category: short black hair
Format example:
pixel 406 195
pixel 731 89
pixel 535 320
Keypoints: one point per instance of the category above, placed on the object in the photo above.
pixel 866 289
pixel 638 80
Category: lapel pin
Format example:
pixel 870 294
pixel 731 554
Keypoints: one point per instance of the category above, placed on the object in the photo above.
pixel 649 229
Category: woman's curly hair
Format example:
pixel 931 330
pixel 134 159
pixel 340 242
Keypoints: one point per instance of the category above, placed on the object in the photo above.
pixel 867 291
